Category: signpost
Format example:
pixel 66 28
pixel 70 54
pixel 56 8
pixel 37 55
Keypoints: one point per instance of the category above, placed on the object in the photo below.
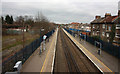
pixel 80 36
pixel 99 50
pixel 84 38
pixel 44 37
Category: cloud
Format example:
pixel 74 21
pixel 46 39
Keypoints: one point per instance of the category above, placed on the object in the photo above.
pixel 60 1
pixel 64 11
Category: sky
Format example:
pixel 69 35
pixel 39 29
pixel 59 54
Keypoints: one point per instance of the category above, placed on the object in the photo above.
pixel 61 11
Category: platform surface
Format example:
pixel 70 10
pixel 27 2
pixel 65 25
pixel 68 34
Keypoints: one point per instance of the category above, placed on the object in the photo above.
pixel 44 61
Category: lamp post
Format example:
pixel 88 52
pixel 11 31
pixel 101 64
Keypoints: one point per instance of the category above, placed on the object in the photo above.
pixel 22 22
pixel 23 33
pixel 48 38
pixel 41 46
pixel 80 36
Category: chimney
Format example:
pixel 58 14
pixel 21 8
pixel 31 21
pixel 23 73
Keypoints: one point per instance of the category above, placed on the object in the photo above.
pixel 107 14
pixel 118 12
pixel 119 8
pixel 97 17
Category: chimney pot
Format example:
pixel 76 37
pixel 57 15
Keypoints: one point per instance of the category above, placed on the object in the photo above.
pixel 97 17
pixel 107 14
pixel 118 12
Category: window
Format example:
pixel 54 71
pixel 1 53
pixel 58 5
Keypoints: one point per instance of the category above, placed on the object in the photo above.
pixel 93 26
pixel 106 27
pixel 93 33
pixel 97 26
pixel 103 26
pixel 117 35
pixel 109 28
pixel 118 26
pixel 107 34
pixel 103 33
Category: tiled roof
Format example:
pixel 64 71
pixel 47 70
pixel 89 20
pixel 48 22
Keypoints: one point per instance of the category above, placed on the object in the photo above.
pixel 108 19
pixel 98 20
pixel 114 18
pixel 74 23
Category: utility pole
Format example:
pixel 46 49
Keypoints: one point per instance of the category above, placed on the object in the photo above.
pixel 23 34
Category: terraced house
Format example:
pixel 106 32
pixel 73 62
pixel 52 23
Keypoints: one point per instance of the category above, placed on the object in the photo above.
pixel 106 28
pixel 117 27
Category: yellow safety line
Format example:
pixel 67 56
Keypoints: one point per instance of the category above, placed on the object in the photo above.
pixel 46 57
pixel 95 57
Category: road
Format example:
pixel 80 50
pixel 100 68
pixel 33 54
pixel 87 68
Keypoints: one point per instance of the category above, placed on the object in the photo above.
pixel 69 58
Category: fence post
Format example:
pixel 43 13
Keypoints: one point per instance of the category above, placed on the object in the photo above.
pixel 119 51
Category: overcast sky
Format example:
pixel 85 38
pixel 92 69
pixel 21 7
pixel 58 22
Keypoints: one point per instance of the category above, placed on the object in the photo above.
pixel 61 11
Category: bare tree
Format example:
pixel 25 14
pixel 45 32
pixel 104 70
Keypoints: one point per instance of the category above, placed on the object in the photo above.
pixel 28 20
pixel 41 18
pixel 20 19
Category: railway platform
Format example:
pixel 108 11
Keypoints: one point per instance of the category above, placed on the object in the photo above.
pixel 109 60
pixel 42 62
pixel 99 61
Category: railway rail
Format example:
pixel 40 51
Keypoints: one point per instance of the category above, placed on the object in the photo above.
pixel 68 58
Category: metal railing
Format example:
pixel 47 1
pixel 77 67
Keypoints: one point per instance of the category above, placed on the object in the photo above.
pixel 105 46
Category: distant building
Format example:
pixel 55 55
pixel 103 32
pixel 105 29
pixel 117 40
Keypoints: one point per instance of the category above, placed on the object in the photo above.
pixel 16 28
pixel 85 27
pixel 82 28
pixel 74 25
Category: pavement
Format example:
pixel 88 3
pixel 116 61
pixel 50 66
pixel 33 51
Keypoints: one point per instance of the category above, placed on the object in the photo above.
pixel 42 62
pixel 105 62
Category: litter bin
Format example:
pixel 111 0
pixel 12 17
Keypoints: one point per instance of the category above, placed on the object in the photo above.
pixel 99 51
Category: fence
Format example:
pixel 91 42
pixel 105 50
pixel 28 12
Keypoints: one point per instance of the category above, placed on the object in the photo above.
pixel 23 54
pixel 108 47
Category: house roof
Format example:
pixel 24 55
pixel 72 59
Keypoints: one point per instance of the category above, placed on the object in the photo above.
pixel 75 23
pixel 108 19
pixel 116 20
pixel 98 20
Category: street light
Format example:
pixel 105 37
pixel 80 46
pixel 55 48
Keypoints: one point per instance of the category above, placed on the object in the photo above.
pixel 48 32
pixel 23 31
pixel 42 29
pixel 80 36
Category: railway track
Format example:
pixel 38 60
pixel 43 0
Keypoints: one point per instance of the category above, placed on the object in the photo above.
pixel 69 58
